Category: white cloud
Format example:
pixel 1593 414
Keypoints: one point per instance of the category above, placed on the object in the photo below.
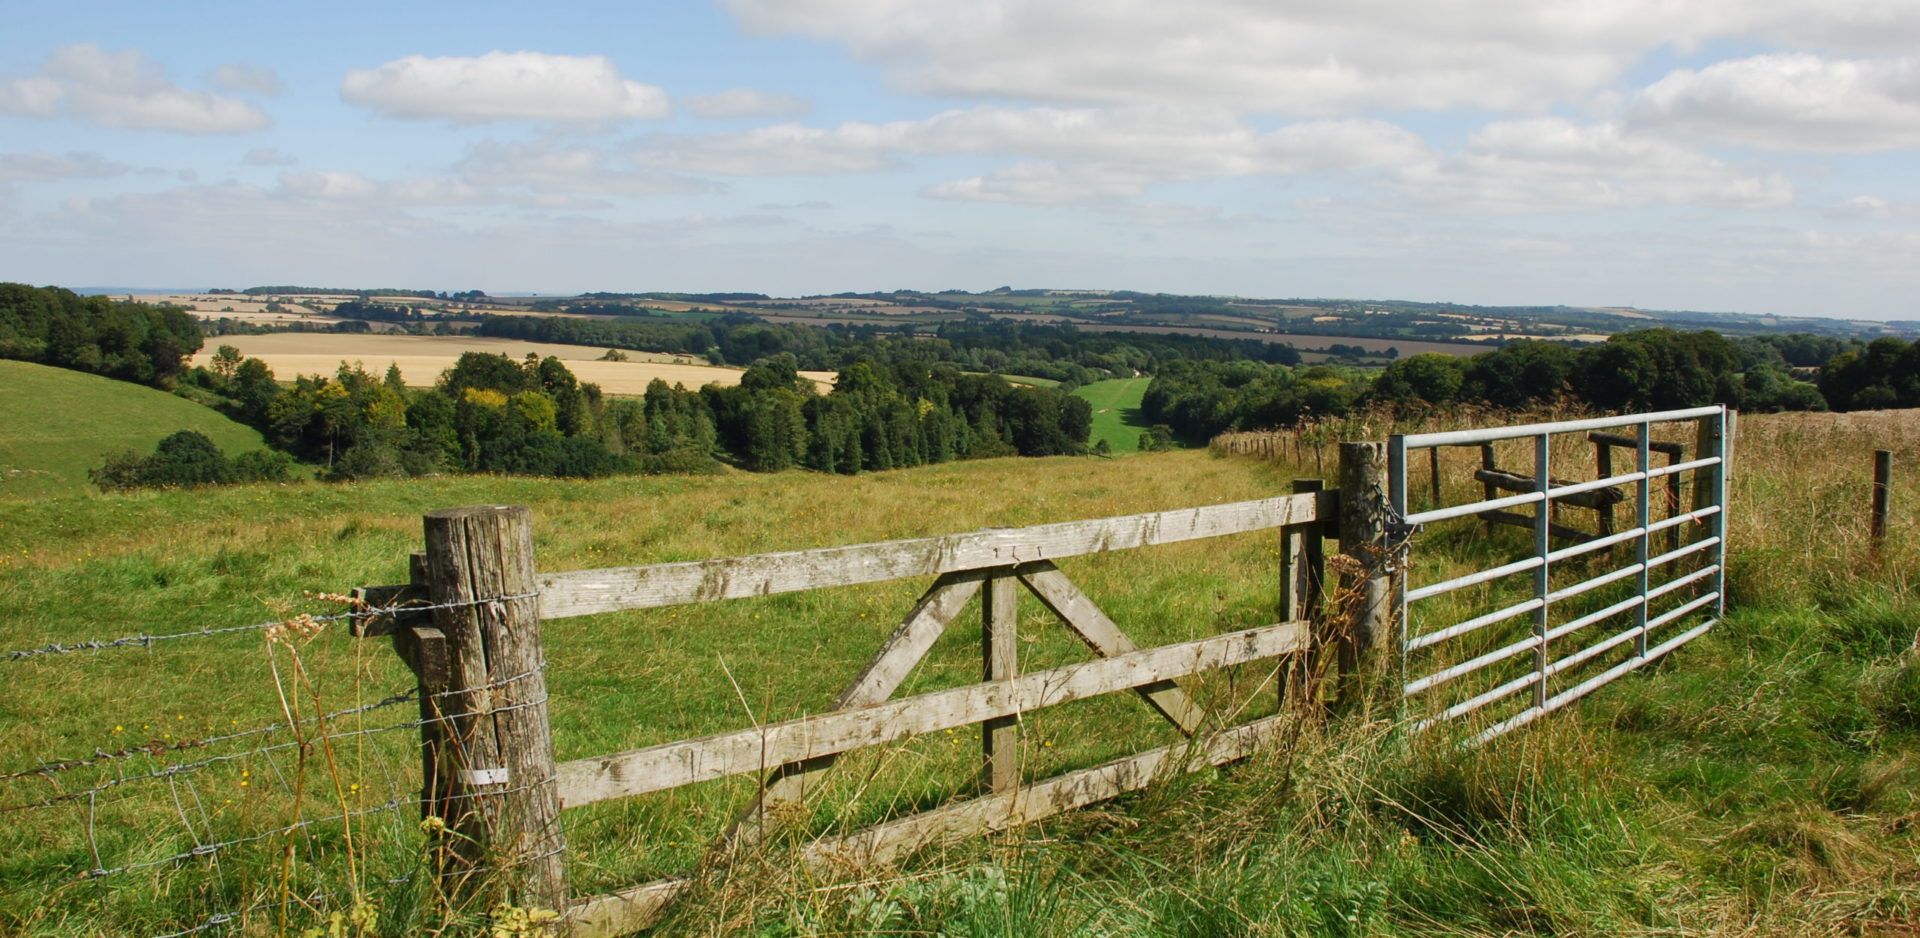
pixel 1873 208
pixel 1069 154
pixel 504 86
pixel 267 156
pixel 1555 165
pixel 550 169
pixel 46 167
pixel 1790 101
pixel 351 187
pixel 1314 59
pixel 124 90
pixel 747 102
pixel 249 79
pixel 31 97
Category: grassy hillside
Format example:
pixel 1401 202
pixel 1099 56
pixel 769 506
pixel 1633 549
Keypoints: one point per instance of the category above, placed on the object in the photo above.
pixel 56 424
pixel 1116 411
pixel 1761 781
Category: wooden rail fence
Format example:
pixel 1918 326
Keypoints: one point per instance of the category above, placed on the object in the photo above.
pixel 492 778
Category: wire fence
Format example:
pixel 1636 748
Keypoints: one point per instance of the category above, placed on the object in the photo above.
pixel 144 808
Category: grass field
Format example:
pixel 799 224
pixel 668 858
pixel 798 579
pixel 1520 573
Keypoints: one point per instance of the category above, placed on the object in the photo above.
pixel 1761 781
pixel 1116 411
pixel 56 424
pixel 423 358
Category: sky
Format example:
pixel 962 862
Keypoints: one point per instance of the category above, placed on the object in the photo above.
pixel 1737 155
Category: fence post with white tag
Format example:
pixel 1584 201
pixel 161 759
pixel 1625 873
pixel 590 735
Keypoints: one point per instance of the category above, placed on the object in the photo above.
pixel 490 778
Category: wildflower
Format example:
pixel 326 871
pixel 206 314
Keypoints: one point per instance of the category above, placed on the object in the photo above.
pixel 433 824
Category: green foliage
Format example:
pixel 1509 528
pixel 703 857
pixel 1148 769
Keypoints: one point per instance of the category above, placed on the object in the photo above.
pixel 126 341
pixel 57 424
pixel 188 459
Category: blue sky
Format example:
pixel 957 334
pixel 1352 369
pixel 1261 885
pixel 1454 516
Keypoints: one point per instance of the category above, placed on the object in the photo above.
pixel 1754 155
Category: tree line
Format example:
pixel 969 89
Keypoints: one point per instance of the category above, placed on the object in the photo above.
pixel 1651 369
pixel 1059 353
pixel 133 342
pixel 489 413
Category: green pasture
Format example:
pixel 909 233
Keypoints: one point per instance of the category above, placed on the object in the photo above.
pixel 56 424
pixel 1116 411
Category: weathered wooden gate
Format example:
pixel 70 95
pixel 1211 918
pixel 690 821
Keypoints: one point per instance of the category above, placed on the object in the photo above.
pixel 489 733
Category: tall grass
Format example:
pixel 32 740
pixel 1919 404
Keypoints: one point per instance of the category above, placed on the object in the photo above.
pixel 1760 781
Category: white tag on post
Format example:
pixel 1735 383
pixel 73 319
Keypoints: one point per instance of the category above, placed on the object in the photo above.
pixel 484 776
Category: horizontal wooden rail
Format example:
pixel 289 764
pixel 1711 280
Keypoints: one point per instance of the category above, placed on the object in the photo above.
pixel 670 765
pixel 636 908
pixel 1628 442
pixel 585 592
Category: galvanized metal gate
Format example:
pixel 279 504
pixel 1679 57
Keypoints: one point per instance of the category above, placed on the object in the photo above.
pixel 1473 642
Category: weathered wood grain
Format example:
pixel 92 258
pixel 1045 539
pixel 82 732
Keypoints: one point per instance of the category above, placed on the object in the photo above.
pixel 583 592
pixel 632 909
pixel 1065 600
pixel 670 765
pixel 1514 482
pixel 1000 661
pixel 902 650
pixel 495 746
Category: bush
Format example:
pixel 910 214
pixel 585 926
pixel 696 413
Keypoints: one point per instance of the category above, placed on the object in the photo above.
pixel 187 459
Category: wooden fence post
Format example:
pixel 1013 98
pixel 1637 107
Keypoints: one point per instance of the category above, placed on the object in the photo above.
pixel 1302 568
pixel 1882 495
pixel 999 661
pixel 493 773
pixel 1363 527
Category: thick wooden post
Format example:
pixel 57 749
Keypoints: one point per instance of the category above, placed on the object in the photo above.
pixel 999 660
pixel 1302 569
pixel 1363 527
pixel 1882 495
pixel 493 783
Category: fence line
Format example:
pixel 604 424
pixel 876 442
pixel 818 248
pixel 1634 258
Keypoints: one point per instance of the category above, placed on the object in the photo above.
pixel 148 641
pixel 182 768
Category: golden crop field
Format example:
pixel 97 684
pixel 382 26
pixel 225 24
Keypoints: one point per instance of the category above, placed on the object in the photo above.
pixel 423 358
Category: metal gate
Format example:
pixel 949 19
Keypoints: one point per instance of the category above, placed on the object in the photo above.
pixel 1473 642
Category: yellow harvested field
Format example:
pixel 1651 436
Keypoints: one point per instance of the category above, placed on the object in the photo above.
pixel 423 358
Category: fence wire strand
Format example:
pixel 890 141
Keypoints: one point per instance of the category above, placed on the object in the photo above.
pixel 148 641
pixel 180 768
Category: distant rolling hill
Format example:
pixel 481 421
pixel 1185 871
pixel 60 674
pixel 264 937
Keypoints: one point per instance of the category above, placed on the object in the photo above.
pixel 56 424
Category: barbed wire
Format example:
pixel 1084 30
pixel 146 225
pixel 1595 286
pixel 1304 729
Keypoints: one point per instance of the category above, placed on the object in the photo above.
pixel 181 768
pixel 392 804
pixel 148 641
pixel 157 748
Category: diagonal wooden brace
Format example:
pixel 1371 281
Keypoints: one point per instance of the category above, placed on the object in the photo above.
pixel 909 643
pixel 1086 620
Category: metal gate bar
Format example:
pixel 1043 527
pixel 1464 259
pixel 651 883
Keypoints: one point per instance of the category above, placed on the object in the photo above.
pixel 1709 510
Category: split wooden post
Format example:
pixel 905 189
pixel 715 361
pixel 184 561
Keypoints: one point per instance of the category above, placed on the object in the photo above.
pixel 999 661
pixel 1603 469
pixel 493 773
pixel 1882 496
pixel 1363 537
pixel 1302 567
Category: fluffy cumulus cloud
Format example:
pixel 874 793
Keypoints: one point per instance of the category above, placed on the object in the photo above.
pixel 123 89
pixel 504 86
pixel 1555 165
pixel 1790 101
pixel 1298 58
pixel 747 102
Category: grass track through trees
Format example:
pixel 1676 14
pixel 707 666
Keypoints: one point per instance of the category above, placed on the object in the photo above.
pixel 1116 411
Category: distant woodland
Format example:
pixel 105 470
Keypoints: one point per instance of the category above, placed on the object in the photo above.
pixel 903 397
